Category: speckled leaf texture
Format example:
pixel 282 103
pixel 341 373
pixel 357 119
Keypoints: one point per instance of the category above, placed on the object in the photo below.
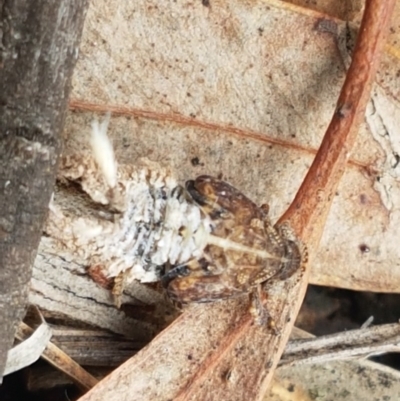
pixel 245 90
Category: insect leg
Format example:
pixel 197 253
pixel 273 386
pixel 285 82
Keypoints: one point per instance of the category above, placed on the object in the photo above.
pixel 258 310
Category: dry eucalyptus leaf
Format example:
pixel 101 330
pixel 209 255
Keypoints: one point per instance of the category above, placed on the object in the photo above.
pixel 350 380
pixel 245 90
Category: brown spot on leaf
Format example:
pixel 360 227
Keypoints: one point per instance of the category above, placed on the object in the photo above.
pixel 364 248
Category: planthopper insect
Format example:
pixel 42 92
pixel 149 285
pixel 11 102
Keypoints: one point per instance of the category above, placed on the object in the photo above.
pixel 242 251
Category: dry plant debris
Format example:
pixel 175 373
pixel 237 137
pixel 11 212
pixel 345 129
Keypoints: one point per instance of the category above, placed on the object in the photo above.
pixel 222 373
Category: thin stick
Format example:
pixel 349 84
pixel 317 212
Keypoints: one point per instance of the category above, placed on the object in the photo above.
pixel 61 361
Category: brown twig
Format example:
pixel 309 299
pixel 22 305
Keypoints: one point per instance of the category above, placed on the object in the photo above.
pixel 227 357
pixel 308 212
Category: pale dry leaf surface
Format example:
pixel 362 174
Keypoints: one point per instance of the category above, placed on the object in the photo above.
pixel 267 78
pixel 350 10
pixel 345 380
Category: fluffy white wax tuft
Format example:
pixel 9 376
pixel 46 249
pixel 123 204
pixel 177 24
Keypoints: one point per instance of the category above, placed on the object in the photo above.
pixel 103 151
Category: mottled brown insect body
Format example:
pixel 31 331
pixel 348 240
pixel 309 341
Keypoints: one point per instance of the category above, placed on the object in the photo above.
pixel 243 250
